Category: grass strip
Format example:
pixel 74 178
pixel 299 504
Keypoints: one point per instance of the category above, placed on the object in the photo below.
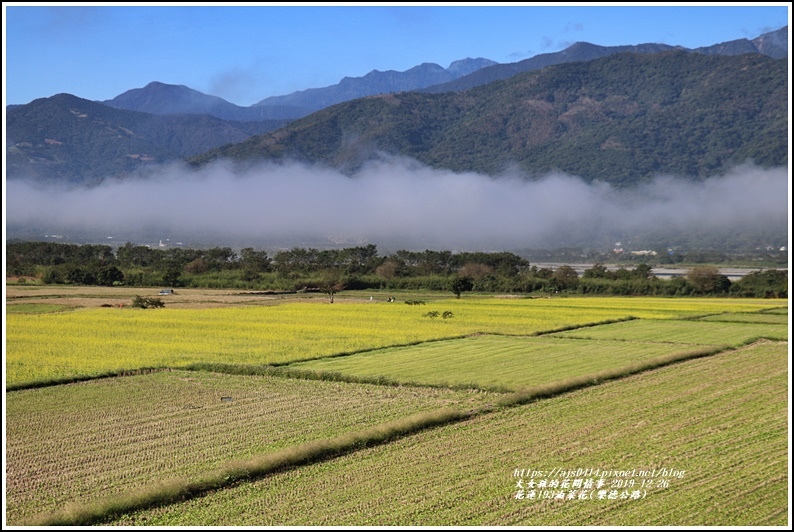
pixel 82 378
pixel 333 376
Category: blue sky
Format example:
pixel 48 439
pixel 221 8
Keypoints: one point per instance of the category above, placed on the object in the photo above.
pixel 247 52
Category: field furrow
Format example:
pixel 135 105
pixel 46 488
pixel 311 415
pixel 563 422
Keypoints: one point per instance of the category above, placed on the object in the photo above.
pixel 79 441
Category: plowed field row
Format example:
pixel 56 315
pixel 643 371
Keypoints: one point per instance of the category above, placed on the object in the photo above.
pixel 74 442
pixel 717 426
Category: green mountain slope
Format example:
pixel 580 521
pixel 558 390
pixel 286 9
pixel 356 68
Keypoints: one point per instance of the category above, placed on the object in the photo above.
pixel 68 139
pixel 620 119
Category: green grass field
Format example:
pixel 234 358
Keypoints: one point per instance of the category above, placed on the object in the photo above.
pixel 491 361
pixel 749 317
pixel 694 332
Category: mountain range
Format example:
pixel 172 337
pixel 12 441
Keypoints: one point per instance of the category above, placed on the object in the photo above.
pixel 159 98
pixel 68 139
pixel 590 110
pixel 376 82
pixel 621 119
pixel 773 44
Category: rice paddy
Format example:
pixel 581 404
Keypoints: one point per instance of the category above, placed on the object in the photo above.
pixel 438 442
pixel 499 362
pixel 112 435
pixel 99 341
pixel 716 425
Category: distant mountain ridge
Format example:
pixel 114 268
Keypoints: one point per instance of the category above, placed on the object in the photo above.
pixel 773 44
pixel 68 139
pixel 377 82
pixel 164 99
pixel 579 51
pixel 161 98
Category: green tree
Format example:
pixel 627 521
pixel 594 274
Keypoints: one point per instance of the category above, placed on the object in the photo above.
pixel 765 283
pixel 132 255
pixel 598 271
pixel 77 275
pixel 147 302
pixel 254 262
pixel 331 283
pixel 197 266
pixel 642 271
pixel 460 284
pixel 109 276
pixel 566 277
pixel 704 279
pixel 172 276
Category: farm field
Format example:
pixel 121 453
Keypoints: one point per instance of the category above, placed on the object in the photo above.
pixel 750 317
pixel 490 361
pixel 112 435
pixel 704 332
pixel 99 341
pixel 717 426
pixel 371 413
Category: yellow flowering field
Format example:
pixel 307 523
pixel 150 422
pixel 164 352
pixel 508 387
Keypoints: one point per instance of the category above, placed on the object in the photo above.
pixel 96 341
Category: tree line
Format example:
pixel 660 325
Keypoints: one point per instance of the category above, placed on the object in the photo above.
pixel 359 267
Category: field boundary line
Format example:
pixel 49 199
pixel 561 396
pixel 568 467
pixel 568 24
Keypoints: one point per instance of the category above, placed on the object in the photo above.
pixel 583 326
pixel 83 378
pixel 334 376
pixel 370 349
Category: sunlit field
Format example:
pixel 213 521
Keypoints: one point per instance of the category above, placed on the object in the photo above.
pixel 772 317
pixel 97 341
pixel 111 435
pixel 692 332
pixel 241 410
pixel 717 426
pixel 496 361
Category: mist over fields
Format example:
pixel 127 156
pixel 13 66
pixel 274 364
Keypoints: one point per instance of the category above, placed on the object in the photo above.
pixel 402 203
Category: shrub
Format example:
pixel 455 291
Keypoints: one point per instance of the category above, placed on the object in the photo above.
pixel 147 302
